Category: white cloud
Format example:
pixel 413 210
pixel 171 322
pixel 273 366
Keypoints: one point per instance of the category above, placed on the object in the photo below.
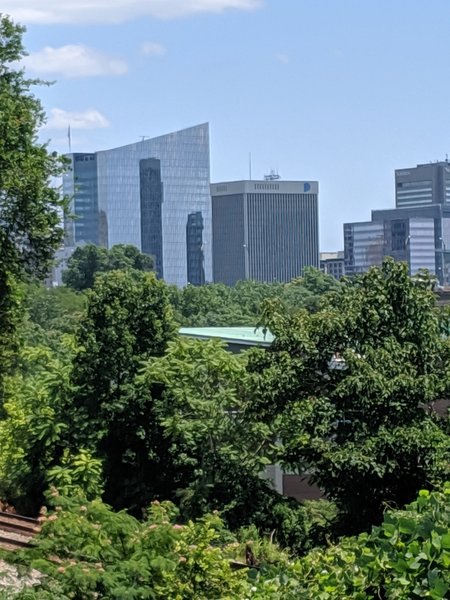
pixel 74 60
pixel 115 11
pixel 283 58
pixel 153 49
pixel 87 119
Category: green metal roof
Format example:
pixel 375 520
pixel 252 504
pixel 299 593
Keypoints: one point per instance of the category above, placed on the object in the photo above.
pixel 244 336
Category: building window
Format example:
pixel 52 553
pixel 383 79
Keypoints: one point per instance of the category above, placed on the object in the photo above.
pixel 398 232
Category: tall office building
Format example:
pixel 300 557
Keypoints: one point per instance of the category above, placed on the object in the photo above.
pixel 145 195
pixel 416 231
pixel 405 238
pixel 363 246
pixel 423 185
pixel 80 185
pixel 264 230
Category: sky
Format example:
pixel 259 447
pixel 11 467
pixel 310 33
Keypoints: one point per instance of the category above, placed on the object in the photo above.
pixel 339 91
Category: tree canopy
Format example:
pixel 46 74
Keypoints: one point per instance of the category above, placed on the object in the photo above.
pixel 30 223
pixel 128 320
pixel 29 219
pixel 89 260
pixel 350 391
pixel 218 305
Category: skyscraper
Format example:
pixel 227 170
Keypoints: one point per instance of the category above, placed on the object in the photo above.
pixel 80 185
pixel 264 230
pixel 423 185
pixel 392 233
pixel 145 195
pixel 417 231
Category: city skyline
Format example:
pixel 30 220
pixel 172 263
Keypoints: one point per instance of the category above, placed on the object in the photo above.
pixel 343 93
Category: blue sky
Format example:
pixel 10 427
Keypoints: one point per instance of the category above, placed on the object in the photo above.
pixel 342 91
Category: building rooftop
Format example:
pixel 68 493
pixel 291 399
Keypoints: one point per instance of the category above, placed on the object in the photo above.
pixel 242 336
pixel 250 186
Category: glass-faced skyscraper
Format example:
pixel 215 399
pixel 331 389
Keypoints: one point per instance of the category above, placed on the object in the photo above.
pixel 147 193
pixel 264 230
pixel 80 185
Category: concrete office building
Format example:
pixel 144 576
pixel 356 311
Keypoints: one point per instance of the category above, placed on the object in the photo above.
pixel 264 230
pixel 423 185
pixel 153 194
pixel 332 263
pixel 416 231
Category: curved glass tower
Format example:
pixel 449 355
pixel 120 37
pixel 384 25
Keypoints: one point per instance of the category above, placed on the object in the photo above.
pixel 147 193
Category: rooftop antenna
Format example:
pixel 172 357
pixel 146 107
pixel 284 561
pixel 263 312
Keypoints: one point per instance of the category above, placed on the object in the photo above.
pixel 250 165
pixel 272 176
pixel 144 137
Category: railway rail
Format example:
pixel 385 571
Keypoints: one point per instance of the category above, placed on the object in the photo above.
pixel 17 531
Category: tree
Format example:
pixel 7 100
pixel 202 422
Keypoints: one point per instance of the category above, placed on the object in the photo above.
pixel 205 452
pixel 30 225
pixel 51 313
pixel 128 320
pixel 350 390
pixel 125 256
pixel 307 291
pixel 218 305
pixel 29 222
pixel 32 439
pixel 213 452
pixel 89 260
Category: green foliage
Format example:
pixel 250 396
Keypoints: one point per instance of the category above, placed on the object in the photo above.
pixel 79 474
pixel 87 551
pixel 29 229
pixel 407 557
pixel 350 390
pixel 218 305
pixel 10 319
pixel 33 428
pixel 113 555
pixel 53 308
pixel 213 452
pixel 89 260
pixel 51 313
pixel 128 320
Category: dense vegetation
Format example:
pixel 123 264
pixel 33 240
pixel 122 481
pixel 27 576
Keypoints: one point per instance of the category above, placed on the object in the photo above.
pixel 115 556
pixel 29 231
pixel 352 387
pixel 148 450
pixel 89 260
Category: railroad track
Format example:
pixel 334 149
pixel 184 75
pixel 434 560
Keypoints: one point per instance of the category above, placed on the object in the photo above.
pixel 17 531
